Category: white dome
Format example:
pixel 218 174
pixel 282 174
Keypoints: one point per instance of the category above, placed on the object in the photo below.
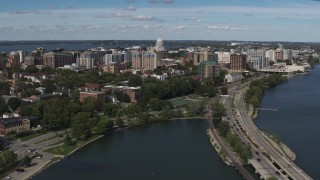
pixel 159 44
pixel 159 40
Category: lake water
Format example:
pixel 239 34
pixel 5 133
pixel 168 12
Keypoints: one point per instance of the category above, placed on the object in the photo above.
pixel 297 120
pixel 167 150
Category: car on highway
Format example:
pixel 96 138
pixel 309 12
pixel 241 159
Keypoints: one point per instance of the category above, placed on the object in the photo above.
pixel 7 177
pixel 31 150
pixel 24 145
pixel 38 157
pixel 258 159
pixel 278 173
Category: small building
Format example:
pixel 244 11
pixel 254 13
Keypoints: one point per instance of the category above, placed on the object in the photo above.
pixel 100 96
pixel 90 87
pixel 233 77
pixel 35 98
pixel 132 92
pixel 14 124
pixel 111 68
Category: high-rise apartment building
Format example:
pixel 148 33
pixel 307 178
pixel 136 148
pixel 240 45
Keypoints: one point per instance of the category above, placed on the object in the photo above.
pixel 13 60
pixel 198 57
pixel 257 59
pixel 54 60
pixel 85 59
pixel 238 62
pixel 136 60
pixel 149 60
pixel 209 69
pixel 223 57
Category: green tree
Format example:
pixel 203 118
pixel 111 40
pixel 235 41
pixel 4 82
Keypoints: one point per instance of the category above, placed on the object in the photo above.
pixel 224 90
pixel 110 125
pixel 144 118
pixel 81 125
pixel 90 104
pixel 3 107
pixel 218 111
pixel 102 125
pixel 67 140
pixel 166 113
pixel 26 161
pixel 223 128
pixel 31 69
pixel 13 104
pixel 135 80
pixel 119 122
pixel 9 159
pixel 49 85
pixel 232 139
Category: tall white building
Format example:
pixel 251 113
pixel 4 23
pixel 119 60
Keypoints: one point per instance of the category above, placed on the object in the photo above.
pixel 85 59
pixel 112 58
pixel 159 45
pixel 287 54
pixel 270 55
pixel 144 60
pixel 257 59
pixel 127 56
pixel 223 57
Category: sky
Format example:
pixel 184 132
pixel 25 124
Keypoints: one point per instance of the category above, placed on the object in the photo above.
pixel 247 20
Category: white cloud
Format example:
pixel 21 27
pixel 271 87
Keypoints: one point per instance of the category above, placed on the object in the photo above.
pixel 226 27
pixel 145 18
pixel 30 12
pixel 161 1
pixel 130 8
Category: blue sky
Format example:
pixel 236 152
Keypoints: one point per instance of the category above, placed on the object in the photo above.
pixel 259 20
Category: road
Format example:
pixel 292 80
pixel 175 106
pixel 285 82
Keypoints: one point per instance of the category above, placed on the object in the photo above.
pixel 225 148
pixel 287 166
pixel 259 161
pixel 22 148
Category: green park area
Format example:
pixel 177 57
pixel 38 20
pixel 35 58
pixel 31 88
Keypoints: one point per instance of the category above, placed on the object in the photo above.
pixel 185 101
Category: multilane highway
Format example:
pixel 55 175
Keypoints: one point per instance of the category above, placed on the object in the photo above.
pixel 265 168
pixel 225 149
pixel 285 166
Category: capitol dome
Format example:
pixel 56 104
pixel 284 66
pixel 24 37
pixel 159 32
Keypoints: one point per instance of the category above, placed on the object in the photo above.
pixel 159 44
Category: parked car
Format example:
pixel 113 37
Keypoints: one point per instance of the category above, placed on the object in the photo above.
pixel 20 170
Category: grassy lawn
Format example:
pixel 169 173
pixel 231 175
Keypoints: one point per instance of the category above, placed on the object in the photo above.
pixel 63 149
pixel 31 136
pixel 181 102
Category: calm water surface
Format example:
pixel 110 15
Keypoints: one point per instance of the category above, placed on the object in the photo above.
pixel 297 120
pixel 167 150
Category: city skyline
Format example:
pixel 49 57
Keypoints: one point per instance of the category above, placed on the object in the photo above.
pixel 266 20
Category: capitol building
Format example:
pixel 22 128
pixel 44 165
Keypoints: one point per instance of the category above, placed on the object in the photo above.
pixel 159 45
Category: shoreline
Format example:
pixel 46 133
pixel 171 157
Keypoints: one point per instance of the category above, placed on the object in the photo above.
pixel 280 147
pixel 49 163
